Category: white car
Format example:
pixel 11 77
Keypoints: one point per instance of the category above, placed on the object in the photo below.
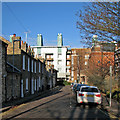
pixel 89 94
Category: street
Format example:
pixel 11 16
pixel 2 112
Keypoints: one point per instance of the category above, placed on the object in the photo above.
pixel 60 104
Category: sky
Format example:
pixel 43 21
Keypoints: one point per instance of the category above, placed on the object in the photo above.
pixel 46 18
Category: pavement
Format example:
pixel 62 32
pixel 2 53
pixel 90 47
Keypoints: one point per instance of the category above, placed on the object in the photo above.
pixel 114 109
pixel 14 103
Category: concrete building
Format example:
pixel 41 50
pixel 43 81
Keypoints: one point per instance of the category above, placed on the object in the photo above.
pixel 53 55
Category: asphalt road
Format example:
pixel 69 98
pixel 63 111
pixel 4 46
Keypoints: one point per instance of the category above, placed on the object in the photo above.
pixel 60 104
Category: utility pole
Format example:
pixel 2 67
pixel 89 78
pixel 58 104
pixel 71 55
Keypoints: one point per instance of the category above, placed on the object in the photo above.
pixel 26 35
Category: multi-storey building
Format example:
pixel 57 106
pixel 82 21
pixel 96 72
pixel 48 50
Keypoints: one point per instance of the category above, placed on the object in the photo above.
pixel 84 60
pixel 53 55
pixel 79 63
pixel 68 65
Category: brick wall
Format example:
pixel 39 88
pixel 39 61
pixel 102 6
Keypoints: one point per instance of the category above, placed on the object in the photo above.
pixel 3 54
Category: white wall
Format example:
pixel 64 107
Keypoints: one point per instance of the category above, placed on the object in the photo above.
pixel 54 51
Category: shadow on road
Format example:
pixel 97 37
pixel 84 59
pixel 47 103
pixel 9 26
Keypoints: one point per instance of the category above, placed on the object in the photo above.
pixel 29 98
pixel 88 111
pixel 66 108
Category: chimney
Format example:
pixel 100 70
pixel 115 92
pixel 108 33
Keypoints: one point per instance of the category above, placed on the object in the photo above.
pixel 21 42
pixel 60 40
pixel 17 44
pixel 39 40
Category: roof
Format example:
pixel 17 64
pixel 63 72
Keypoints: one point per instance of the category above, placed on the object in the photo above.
pixel 4 40
pixel 10 68
pixel 49 47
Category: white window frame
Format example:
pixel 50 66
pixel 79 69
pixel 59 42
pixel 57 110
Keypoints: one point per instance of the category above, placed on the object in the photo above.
pixel 23 62
pixel 35 67
pixel 32 66
pixel 35 85
pixel 72 73
pixel 39 67
pixel 85 62
pixel 28 64
pixel 68 56
pixel 68 62
pixel 86 56
pixel 26 84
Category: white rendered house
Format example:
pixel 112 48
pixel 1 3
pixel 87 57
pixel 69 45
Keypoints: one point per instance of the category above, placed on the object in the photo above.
pixel 54 55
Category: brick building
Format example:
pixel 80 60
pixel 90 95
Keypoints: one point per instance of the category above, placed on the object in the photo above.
pixel 79 63
pixel 12 82
pixel 101 59
pixel 3 70
pixel 26 75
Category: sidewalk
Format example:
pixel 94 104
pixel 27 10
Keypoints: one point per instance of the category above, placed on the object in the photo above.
pixel 11 104
pixel 115 106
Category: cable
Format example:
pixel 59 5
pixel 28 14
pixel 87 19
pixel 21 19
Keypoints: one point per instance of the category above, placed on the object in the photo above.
pixel 16 17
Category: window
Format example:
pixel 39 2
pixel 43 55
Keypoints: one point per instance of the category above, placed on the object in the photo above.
pixel 72 74
pixel 59 62
pixel 59 56
pixel 26 84
pixel 35 67
pixel 32 66
pixel 85 62
pixel 72 59
pixel 68 62
pixel 86 56
pixel 35 85
pixel 39 81
pixel 23 62
pixel 28 64
pixel 38 84
pixel 39 67
pixel 68 71
pixel 59 50
pixel 88 89
pixel 48 56
pixel 68 56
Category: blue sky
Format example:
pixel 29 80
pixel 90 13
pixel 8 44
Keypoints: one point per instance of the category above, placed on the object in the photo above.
pixel 46 18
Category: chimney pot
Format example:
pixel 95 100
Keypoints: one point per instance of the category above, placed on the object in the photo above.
pixel 14 35
pixel 22 42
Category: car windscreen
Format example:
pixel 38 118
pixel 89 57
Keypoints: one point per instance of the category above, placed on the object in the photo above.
pixel 79 86
pixel 89 89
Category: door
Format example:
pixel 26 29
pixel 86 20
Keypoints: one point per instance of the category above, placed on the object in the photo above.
pixel 22 94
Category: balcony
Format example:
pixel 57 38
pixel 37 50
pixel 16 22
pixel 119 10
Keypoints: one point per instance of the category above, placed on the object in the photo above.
pixel 67 73
pixel 68 67
pixel 68 59
pixel 49 59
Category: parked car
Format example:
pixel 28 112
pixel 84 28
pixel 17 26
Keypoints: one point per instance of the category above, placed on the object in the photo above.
pixel 75 86
pixel 72 84
pixel 89 94
pixel 79 86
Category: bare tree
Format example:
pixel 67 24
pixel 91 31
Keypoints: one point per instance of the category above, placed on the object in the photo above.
pixel 100 18
pixel 98 70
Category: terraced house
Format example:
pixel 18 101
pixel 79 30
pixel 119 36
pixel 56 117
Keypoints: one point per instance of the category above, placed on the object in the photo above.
pixel 29 73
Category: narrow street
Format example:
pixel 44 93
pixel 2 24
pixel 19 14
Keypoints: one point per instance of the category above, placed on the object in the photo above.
pixel 60 104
